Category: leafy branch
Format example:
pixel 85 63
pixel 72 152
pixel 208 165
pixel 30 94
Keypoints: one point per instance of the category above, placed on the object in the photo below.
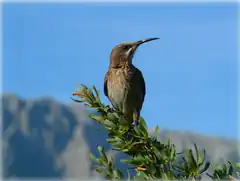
pixel 151 158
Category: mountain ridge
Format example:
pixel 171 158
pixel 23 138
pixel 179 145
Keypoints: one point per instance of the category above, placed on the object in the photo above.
pixel 77 106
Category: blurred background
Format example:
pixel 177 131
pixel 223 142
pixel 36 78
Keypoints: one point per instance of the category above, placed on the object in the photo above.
pixel 190 74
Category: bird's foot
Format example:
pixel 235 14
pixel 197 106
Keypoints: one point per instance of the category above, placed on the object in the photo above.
pixel 130 130
pixel 135 123
pixel 129 133
pixel 155 140
pixel 129 136
pixel 110 109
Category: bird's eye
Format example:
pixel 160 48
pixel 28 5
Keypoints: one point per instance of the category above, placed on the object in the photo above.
pixel 126 47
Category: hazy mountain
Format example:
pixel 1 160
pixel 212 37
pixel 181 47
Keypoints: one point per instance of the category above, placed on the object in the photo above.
pixel 44 138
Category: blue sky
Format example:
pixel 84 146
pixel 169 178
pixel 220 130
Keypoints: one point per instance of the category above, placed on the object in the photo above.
pixel 190 73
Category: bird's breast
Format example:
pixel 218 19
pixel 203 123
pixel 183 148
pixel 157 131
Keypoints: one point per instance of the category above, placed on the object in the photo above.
pixel 118 86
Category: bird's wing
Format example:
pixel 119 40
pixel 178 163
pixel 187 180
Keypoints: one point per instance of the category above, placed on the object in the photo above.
pixel 140 85
pixel 105 84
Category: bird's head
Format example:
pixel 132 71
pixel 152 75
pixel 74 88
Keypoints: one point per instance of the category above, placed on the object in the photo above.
pixel 122 54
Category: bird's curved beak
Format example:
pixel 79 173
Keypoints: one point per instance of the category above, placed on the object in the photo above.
pixel 135 45
pixel 145 40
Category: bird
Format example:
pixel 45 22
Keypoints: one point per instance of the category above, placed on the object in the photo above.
pixel 124 84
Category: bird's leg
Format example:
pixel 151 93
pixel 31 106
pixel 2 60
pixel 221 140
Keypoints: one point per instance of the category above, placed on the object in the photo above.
pixel 135 118
pixel 131 128
pixel 135 123
pixel 129 133
pixel 110 109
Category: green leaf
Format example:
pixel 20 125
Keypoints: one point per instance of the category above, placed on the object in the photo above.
pixel 111 116
pixel 99 119
pixel 90 94
pixel 92 157
pixel 125 161
pixel 137 143
pixel 206 166
pixel 89 101
pixel 192 160
pixel 77 100
pixel 129 177
pixel 197 153
pixel 230 169
pixel 116 149
pixel 237 165
pixel 156 132
pixel 138 160
pixel 142 122
pixel 173 154
pixel 114 139
pixel 117 174
pixel 143 128
pixel 204 157
pixel 123 122
pixel 102 173
pixel 100 149
pixel 109 124
pixel 118 145
pixel 102 154
pixel 97 93
pixel 141 176
pixel 127 144
pixel 99 161
pixel 82 85
pixel 165 177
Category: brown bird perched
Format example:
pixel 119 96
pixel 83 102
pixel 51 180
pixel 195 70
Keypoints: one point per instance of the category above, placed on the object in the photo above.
pixel 124 84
